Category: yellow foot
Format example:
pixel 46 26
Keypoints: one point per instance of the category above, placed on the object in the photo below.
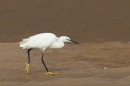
pixel 27 67
pixel 50 73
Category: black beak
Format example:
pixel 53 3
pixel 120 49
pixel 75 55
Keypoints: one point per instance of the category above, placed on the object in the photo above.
pixel 74 42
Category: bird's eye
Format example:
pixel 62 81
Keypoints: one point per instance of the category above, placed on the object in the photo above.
pixel 67 39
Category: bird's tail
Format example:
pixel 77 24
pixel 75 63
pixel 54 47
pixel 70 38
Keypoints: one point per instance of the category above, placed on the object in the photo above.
pixel 23 43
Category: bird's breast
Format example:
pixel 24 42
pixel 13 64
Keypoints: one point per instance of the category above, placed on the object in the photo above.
pixel 57 45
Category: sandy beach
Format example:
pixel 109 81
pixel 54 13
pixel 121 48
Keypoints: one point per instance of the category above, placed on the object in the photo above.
pixel 87 64
pixel 102 27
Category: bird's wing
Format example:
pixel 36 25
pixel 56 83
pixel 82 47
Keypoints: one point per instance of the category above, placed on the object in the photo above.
pixel 41 35
pixel 43 40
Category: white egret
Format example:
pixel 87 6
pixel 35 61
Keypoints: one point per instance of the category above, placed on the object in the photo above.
pixel 43 41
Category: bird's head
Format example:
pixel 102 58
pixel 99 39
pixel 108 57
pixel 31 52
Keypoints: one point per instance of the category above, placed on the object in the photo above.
pixel 67 39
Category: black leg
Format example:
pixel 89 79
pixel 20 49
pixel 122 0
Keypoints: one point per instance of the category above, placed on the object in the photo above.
pixel 44 62
pixel 29 55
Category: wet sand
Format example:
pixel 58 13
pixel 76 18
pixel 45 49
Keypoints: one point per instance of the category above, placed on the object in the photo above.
pixel 84 21
pixel 87 64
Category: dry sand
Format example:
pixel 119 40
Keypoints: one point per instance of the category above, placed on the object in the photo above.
pixel 87 64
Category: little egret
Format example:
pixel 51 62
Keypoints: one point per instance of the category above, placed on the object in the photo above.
pixel 43 41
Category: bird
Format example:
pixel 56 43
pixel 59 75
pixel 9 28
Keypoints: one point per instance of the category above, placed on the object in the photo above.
pixel 43 41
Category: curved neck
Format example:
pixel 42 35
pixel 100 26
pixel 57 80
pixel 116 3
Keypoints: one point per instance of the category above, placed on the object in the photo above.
pixel 60 44
pixel 57 44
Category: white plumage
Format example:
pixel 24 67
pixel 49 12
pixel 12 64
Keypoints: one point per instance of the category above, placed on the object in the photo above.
pixel 43 41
